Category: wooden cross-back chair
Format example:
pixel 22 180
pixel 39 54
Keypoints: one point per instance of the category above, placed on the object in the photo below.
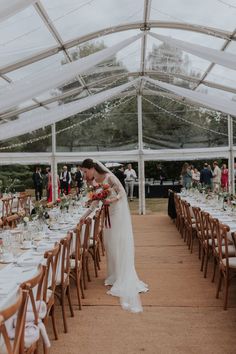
pixel 184 220
pixel 23 203
pixel 206 241
pixel 213 244
pixel 178 219
pixel 85 251
pixel 76 263
pixel 199 228
pixel 190 224
pixel 95 242
pixel 63 282
pixel 34 286
pixel 51 264
pixel 6 207
pixel 18 308
pixel 11 221
pixel 227 263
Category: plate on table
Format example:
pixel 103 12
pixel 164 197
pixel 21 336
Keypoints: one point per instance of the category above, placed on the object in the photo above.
pixel 7 262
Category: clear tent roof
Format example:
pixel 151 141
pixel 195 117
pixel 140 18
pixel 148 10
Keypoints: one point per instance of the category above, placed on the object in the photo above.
pixel 46 33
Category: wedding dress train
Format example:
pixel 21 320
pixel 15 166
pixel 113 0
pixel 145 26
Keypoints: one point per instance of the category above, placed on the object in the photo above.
pixel 119 245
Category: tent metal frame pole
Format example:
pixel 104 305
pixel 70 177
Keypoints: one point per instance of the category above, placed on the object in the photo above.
pixel 141 168
pixel 54 164
pixel 231 155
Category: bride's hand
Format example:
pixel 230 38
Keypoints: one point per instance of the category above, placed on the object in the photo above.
pixel 107 202
pixel 82 221
pixel 111 200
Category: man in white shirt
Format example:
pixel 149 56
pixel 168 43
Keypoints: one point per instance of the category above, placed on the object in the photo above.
pixel 65 179
pixel 130 176
pixel 216 177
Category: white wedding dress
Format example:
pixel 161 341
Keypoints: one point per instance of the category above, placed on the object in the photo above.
pixel 119 245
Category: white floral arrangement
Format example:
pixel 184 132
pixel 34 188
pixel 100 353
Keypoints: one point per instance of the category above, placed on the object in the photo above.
pixel 25 220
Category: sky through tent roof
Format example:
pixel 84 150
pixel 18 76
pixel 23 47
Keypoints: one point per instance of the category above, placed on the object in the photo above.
pixel 45 34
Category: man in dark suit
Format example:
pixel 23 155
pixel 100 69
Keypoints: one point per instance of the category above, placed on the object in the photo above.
pixel 120 175
pixel 78 179
pixel 206 175
pixel 38 183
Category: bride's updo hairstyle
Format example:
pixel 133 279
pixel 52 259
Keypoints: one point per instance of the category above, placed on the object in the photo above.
pixel 89 163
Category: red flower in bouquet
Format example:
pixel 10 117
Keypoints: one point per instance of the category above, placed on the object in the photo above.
pixel 100 192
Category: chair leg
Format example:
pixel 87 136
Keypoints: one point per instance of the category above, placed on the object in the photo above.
pixel 63 309
pixel 191 242
pixel 214 270
pixel 199 250
pixel 54 322
pixel 87 269
pixel 185 233
pixel 102 246
pixel 226 292
pixel 219 285
pixel 206 264
pixel 78 289
pixel 81 287
pixel 84 274
pixel 98 259
pixel 69 300
pixel 95 263
pixel 203 259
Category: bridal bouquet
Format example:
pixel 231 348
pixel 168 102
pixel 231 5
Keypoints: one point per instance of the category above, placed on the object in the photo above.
pixel 100 192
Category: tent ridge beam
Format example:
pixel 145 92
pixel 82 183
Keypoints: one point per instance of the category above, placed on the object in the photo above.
pixel 106 31
pixel 211 66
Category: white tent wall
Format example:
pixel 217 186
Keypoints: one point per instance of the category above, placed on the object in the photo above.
pixel 141 155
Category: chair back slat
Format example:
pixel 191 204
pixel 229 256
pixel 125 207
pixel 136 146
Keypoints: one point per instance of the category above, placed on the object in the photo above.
pixel 198 219
pixel 78 253
pixel 65 255
pixel 19 308
pixel 7 206
pixel 52 258
pixel 205 226
pixel 30 285
pixel 12 220
pixel 86 243
pixel 96 227
pixel 222 243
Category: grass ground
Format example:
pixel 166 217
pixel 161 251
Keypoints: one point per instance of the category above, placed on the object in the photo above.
pixel 153 205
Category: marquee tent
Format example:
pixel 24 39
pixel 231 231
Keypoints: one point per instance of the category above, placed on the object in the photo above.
pixel 44 79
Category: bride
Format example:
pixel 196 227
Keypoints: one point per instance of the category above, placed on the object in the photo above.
pixel 119 244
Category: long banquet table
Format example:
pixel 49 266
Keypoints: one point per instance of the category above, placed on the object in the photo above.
pixel 215 209
pixel 25 265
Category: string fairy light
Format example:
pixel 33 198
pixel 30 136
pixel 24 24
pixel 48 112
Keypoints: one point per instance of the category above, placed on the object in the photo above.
pixel 122 101
pixel 208 111
pixel 227 4
pixel 184 120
